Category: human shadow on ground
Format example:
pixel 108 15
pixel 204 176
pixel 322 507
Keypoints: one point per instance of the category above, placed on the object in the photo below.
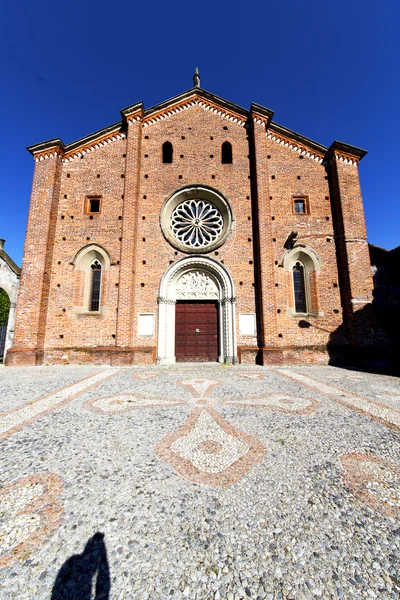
pixel 85 576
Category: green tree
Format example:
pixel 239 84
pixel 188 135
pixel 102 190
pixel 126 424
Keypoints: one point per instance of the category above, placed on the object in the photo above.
pixel 4 307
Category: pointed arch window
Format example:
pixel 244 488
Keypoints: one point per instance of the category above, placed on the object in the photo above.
pixel 299 288
pixel 226 153
pixel 167 152
pixel 95 287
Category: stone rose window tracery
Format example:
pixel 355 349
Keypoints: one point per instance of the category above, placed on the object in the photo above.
pixel 196 219
pixel 196 223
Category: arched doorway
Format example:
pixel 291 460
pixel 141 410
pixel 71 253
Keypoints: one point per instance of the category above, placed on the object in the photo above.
pixel 197 313
pixel 5 305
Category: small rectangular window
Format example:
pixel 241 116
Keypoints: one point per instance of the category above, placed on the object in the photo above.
pixel 299 206
pixel 93 205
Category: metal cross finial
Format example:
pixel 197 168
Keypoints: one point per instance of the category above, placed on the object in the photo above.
pixel 196 78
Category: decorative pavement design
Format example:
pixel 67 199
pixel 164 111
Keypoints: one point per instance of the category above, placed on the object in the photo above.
pixel 13 420
pixel 30 509
pixel 206 449
pixel 255 376
pixel 374 410
pixel 144 376
pixel 199 387
pixel 281 402
pixel 125 402
pixel 375 481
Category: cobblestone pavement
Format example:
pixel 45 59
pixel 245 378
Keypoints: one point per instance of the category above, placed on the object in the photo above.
pixel 198 482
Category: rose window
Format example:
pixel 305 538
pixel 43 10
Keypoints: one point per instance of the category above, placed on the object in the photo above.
pixel 196 223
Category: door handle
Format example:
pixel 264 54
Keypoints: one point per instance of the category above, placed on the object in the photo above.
pixel 197 330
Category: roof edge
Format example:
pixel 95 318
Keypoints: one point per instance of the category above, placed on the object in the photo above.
pixel 47 145
pixel 7 259
pixel 262 110
pixel 197 92
pixel 298 137
pixel 126 112
pixel 347 149
pixel 92 136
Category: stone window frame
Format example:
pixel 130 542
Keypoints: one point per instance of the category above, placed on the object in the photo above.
pixel 311 264
pixel 83 261
pixel 196 192
pixel 95 266
pixel 86 204
pixel 306 201
pixel 306 285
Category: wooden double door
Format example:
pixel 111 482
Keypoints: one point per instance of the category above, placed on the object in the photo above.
pixel 196 331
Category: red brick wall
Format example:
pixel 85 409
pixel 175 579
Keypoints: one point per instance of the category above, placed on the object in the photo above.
pixel 36 264
pixel 289 176
pixel 196 166
pixel 134 184
pixel 353 254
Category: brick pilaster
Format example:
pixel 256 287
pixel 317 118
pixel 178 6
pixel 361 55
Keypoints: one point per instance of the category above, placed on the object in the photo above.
pixel 354 265
pixel 264 256
pixel 33 295
pixel 126 293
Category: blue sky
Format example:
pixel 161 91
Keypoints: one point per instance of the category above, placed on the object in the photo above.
pixel 329 70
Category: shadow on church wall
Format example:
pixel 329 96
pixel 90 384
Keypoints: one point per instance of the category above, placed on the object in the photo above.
pixel 85 576
pixel 375 344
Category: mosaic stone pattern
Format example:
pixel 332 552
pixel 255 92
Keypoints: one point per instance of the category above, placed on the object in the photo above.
pixel 126 402
pixel 203 484
pixel 30 509
pixel 143 376
pixel 376 410
pixel 206 449
pixel 199 387
pixel 280 402
pixel 375 481
pixel 14 420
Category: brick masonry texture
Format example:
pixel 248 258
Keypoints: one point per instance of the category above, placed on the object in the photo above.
pixel 133 182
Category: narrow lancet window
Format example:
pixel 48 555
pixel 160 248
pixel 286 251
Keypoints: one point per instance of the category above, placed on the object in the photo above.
pixel 94 303
pixel 299 288
pixel 167 152
pixel 226 153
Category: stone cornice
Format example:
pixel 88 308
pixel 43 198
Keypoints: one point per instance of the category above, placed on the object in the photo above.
pixel 48 149
pixel 261 115
pixel 344 153
pixel 296 142
pixel 133 113
pixel 208 102
pixel 94 142
pixel 196 97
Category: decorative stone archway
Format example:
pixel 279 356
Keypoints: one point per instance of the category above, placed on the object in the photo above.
pixel 196 278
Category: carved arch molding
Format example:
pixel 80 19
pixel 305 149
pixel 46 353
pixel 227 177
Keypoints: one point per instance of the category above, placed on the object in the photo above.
pixel 196 278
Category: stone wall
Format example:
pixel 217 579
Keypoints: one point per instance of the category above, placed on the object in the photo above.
pixel 9 282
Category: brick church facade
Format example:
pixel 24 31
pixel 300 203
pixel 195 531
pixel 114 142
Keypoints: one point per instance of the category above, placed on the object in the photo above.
pixel 194 230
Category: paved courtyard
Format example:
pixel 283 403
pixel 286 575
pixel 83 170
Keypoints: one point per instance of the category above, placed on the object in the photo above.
pixel 199 482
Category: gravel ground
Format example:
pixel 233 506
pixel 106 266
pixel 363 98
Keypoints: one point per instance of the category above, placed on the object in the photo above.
pixel 20 385
pixel 302 496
